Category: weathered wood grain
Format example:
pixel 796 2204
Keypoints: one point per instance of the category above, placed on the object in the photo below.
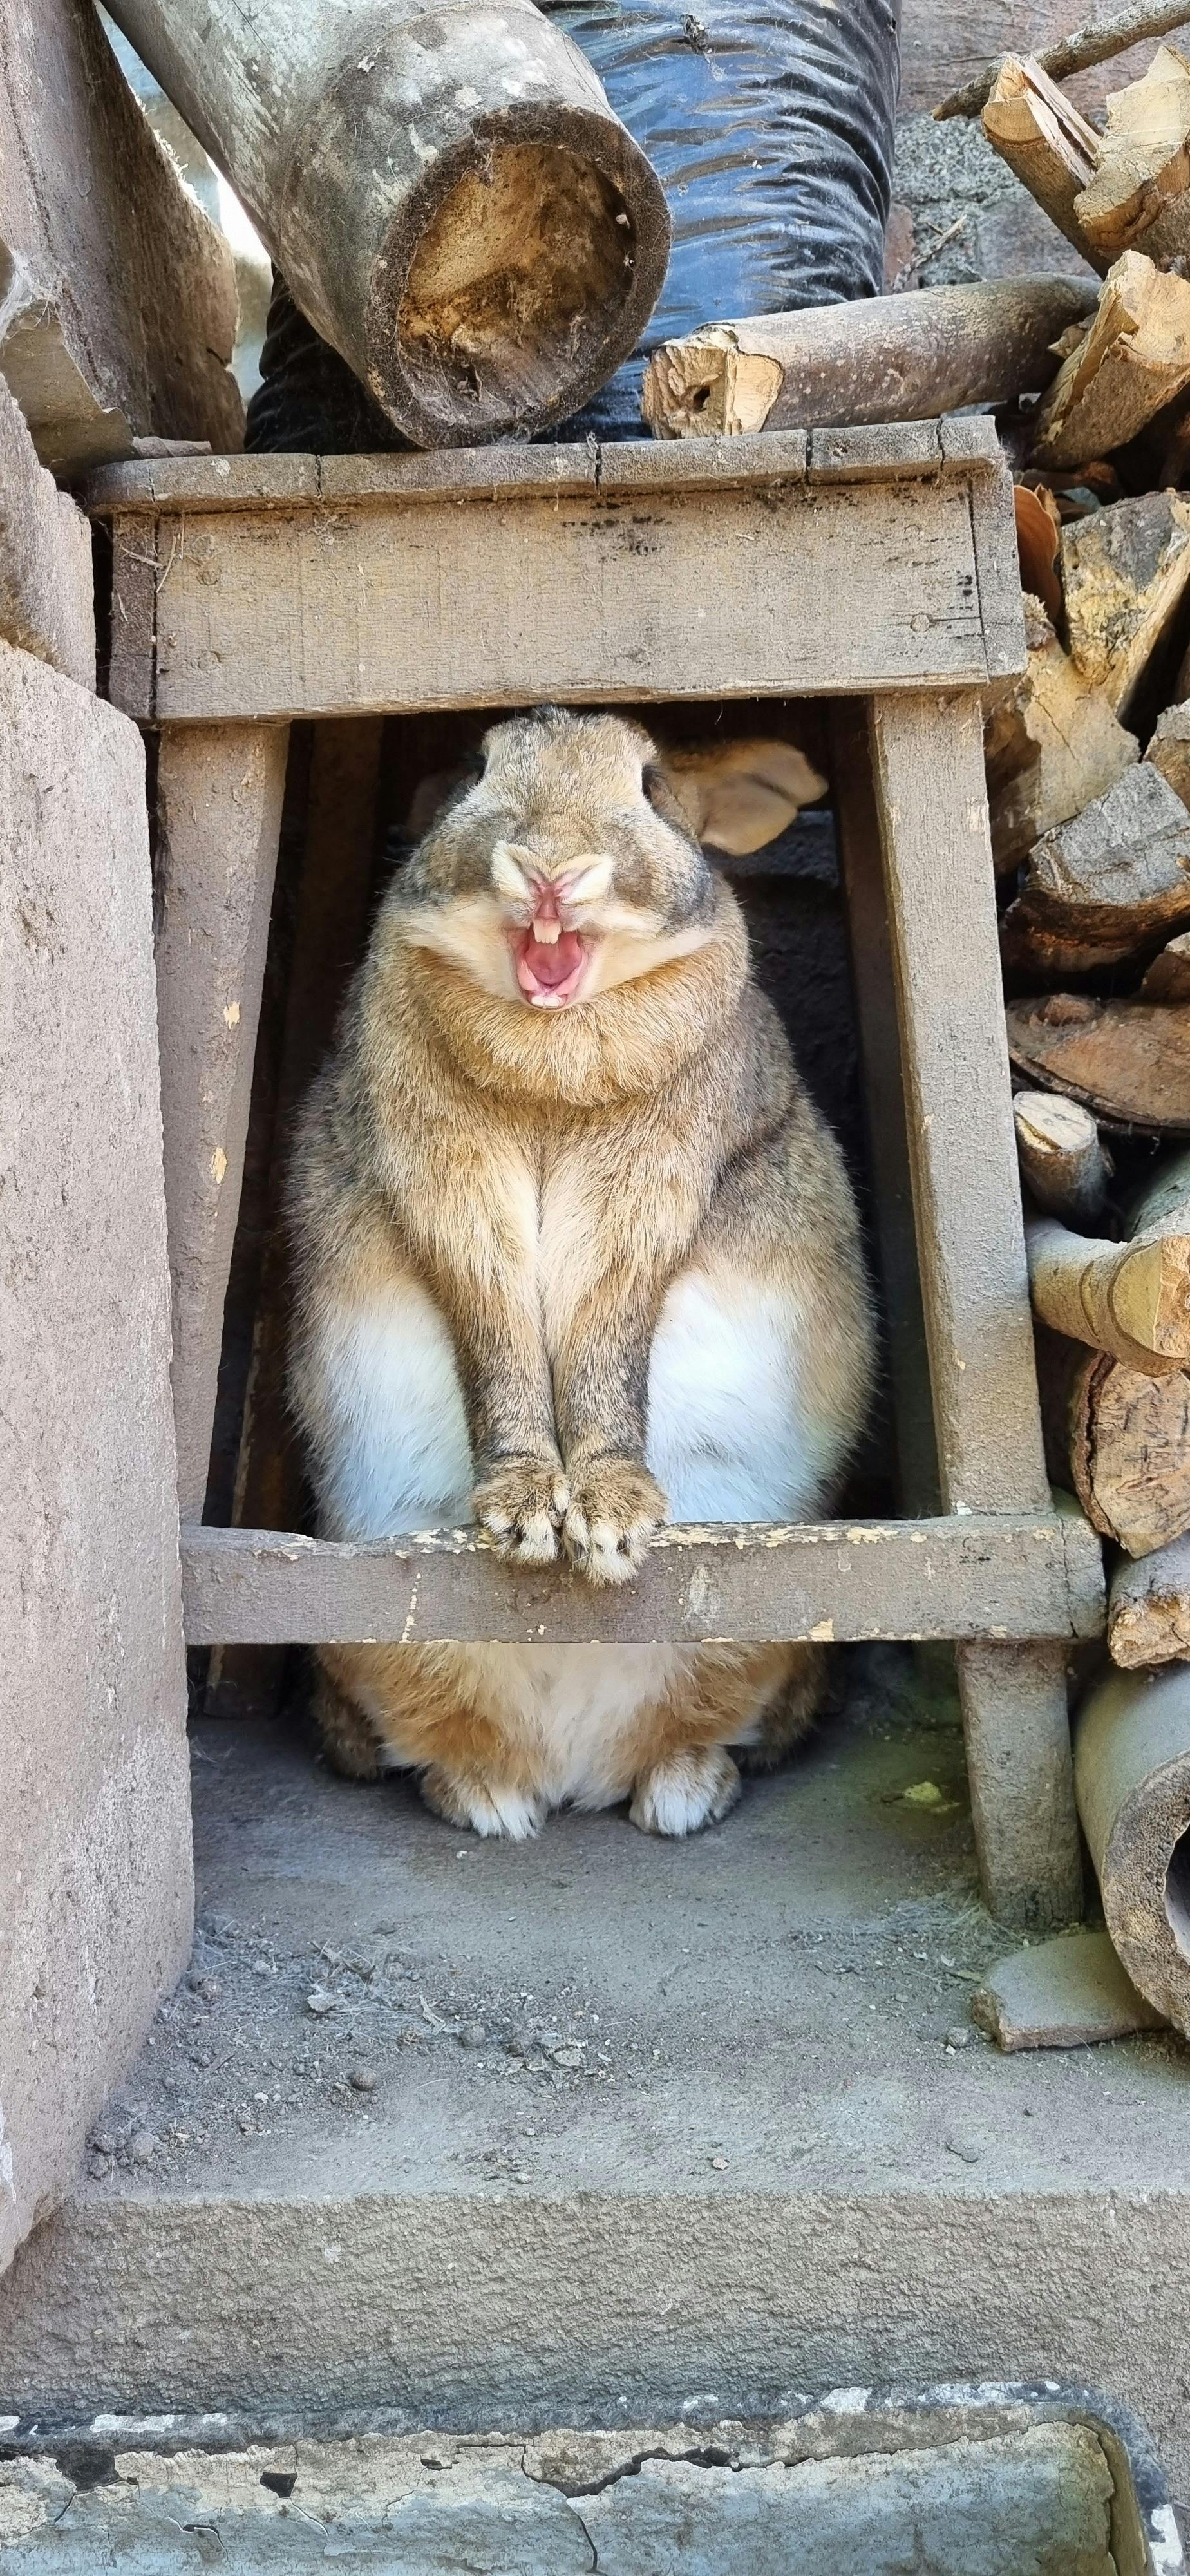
pixel 1149 1609
pixel 1128 1062
pixel 1005 1575
pixel 938 862
pixel 845 571
pixel 219 800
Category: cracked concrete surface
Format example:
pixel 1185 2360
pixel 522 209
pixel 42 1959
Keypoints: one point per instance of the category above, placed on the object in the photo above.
pixel 641 2127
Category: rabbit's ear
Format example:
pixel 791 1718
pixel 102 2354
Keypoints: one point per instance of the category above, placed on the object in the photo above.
pixel 740 795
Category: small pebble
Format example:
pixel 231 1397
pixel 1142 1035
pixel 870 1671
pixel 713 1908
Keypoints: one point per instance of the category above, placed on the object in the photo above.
pixel 319 2001
pixel 473 2035
pixel 570 2057
pixel 963 2149
pixel 103 2143
pixel 718 2164
pixel 143 2147
pixel 98 2166
pixel 959 2036
pixel 208 1987
pixel 363 2079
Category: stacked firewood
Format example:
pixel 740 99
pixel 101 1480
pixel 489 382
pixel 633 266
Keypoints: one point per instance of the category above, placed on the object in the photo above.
pixel 1088 759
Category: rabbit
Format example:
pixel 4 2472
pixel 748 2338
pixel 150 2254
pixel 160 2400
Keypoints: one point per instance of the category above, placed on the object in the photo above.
pixel 573 1253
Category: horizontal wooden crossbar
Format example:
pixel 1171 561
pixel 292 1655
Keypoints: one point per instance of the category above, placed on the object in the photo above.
pixel 796 564
pixel 992 1576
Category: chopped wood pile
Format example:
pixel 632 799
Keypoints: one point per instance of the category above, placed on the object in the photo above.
pixel 1088 764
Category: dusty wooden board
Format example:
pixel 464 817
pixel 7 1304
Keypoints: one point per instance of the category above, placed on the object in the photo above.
pixel 877 561
pixel 1010 1576
pixel 928 772
pixel 219 806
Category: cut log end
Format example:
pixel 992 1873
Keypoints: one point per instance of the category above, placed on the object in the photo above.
pixel 708 387
pixel 525 288
pixel 1150 1298
pixel 1061 1157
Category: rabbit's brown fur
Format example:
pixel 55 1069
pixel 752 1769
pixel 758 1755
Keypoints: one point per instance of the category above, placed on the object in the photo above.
pixel 554 1252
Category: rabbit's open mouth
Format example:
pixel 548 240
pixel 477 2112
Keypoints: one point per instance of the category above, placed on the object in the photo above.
pixel 549 972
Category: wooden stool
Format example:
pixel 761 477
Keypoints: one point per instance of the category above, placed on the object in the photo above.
pixel 875 567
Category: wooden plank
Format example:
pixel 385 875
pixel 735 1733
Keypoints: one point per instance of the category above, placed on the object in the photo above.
pixel 333 897
pixel 928 766
pixel 618 596
pixel 1010 1576
pixel 219 800
pixel 199 484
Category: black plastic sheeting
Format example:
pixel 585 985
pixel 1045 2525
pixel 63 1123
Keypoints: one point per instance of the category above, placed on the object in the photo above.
pixel 771 130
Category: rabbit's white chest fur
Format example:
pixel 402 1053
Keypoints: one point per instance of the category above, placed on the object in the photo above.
pixel 729 1438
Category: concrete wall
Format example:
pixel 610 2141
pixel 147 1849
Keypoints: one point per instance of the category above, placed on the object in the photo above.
pixel 95 1857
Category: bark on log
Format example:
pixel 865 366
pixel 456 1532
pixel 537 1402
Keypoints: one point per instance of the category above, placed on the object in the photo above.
pixel 453 203
pixel 1119 1440
pixel 885 358
pixel 1128 1062
pixel 1131 1300
pixel 1051 745
pixel 1138 197
pixel 117 294
pixel 1132 1776
pixel 1132 362
pixel 1047 145
pixel 1098 41
pixel 1168 978
pixel 1061 1158
pixel 1102 888
pixel 1124 574
pixel 1148 1618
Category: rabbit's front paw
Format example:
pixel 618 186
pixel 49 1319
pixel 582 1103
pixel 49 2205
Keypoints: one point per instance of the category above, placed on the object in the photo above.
pixel 615 1505
pixel 521 1505
pixel 686 1791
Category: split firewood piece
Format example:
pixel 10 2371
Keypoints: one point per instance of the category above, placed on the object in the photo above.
pixel 1097 41
pixel 1051 744
pixel 1128 1062
pixel 1046 143
pixel 1138 197
pixel 1168 978
pixel 1061 1158
pixel 1132 362
pixel 1124 574
pixel 1038 530
pixel 1130 1300
pixel 885 357
pixel 1107 885
pixel 1169 748
pixel 1148 1614
pixel 1120 1440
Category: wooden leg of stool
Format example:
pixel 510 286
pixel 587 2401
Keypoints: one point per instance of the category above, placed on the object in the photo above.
pixel 927 759
pixel 220 789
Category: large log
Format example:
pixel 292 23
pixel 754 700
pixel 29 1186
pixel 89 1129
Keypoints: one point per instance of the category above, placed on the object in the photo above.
pixel 1047 145
pixel 886 357
pixel 1106 886
pixel 117 294
pixel 453 203
pixel 1132 1773
pixel 1132 362
pixel 1051 744
pixel 1099 40
pixel 1118 1439
pixel 1148 1620
pixel 1128 1062
pixel 1062 1161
